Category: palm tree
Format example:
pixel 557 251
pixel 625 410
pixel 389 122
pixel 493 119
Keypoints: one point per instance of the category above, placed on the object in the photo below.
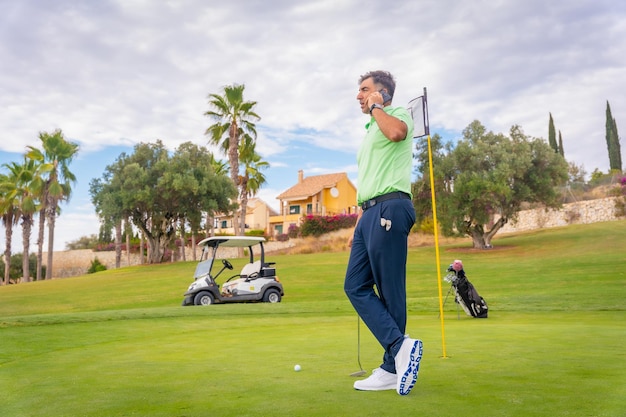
pixel 220 168
pixel 252 179
pixel 40 189
pixel 234 121
pixel 20 186
pixel 9 218
pixel 54 162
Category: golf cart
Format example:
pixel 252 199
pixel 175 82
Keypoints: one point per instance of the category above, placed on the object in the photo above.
pixel 257 280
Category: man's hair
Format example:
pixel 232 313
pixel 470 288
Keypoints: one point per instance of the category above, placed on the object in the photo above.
pixel 383 78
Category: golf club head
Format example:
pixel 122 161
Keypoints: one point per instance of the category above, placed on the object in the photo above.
pixel 358 373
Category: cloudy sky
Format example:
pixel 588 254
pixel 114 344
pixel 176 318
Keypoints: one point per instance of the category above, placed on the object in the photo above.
pixel 111 74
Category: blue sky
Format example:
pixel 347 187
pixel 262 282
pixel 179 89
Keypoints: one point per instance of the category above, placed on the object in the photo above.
pixel 112 73
pixel 78 217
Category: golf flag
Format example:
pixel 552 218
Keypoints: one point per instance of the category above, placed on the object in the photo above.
pixel 418 107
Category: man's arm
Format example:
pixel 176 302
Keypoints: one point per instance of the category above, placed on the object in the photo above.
pixel 393 128
pixel 351 238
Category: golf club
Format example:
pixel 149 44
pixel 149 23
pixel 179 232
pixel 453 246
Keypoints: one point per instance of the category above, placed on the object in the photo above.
pixel 358 348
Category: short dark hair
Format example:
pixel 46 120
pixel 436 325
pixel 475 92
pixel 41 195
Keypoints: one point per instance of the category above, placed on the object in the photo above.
pixel 383 78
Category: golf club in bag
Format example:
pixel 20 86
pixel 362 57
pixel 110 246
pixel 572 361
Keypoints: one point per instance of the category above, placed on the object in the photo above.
pixel 465 294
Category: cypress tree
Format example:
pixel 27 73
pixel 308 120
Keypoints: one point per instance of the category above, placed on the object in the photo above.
pixel 612 141
pixel 561 150
pixel 616 147
pixel 552 135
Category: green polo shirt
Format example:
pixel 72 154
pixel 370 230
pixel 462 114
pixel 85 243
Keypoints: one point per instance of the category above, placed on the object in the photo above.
pixel 385 166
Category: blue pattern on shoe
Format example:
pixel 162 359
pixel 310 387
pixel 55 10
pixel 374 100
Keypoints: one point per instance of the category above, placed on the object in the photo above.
pixel 410 374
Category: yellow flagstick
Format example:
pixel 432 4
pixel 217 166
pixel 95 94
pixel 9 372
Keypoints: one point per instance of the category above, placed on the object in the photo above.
pixel 435 226
pixel 432 192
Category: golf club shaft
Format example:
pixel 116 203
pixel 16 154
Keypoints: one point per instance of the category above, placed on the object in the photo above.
pixel 358 340
pixel 361 372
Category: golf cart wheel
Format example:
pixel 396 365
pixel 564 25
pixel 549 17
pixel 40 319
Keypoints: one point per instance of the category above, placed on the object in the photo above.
pixel 203 298
pixel 271 296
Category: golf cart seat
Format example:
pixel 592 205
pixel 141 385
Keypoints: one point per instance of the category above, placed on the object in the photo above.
pixel 251 270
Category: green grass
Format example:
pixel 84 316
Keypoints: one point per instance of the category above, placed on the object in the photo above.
pixel 117 343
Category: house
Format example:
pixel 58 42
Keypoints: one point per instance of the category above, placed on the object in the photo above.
pixel 258 214
pixel 320 195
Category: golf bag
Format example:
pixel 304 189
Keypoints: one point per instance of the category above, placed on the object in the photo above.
pixel 464 292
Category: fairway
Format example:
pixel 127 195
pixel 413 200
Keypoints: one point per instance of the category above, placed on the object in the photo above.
pixel 117 343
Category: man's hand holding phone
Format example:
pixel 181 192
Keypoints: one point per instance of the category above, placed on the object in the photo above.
pixel 385 95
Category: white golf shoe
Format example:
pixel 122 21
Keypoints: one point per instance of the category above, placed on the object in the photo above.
pixel 379 380
pixel 408 364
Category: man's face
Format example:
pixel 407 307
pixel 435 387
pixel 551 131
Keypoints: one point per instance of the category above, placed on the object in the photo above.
pixel 366 88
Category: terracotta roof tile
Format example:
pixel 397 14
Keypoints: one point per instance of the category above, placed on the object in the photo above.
pixel 312 185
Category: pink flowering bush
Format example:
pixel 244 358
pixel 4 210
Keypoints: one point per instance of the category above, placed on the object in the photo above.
pixel 318 225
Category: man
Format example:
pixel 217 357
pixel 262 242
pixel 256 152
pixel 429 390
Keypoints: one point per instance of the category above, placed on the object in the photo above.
pixel 376 276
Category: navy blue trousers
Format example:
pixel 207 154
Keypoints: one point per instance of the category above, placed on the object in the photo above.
pixel 376 276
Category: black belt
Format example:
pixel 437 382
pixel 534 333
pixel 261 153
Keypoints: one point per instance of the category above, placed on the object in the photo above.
pixel 389 196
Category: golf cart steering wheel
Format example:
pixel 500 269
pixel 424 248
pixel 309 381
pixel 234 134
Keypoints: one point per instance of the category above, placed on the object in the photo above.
pixel 227 264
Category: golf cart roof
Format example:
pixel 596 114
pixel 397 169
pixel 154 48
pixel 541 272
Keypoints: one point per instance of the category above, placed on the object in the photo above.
pixel 231 241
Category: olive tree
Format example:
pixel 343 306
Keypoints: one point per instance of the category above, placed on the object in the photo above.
pixel 157 191
pixel 482 182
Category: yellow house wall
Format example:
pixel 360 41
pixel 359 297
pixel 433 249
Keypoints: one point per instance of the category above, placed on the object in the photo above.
pixel 344 203
pixel 258 219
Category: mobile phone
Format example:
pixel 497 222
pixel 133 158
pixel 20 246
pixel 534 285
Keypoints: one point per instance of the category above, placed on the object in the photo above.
pixel 386 96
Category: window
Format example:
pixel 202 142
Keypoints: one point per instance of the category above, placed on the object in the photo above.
pixel 223 224
pixel 294 209
pixel 309 208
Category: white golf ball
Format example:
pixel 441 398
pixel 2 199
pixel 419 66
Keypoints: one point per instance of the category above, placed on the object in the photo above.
pixel 297 368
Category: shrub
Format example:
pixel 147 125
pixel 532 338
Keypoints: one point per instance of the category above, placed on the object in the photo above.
pixel 427 226
pixel 134 246
pixel 620 201
pixel 256 232
pixel 16 273
pixel 96 266
pixel 293 231
pixel 282 237
pixel 83 242
pixel 106 247
pixel 318 225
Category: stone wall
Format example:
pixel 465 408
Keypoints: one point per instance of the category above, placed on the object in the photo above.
pixel 71 263
pixel 580 212
pixel 76 262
